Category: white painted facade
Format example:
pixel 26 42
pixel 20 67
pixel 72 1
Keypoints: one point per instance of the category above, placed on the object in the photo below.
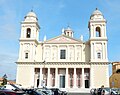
pixel 63 61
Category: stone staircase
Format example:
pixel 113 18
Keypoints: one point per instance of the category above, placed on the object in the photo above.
pixel 78 94
pixel 77 91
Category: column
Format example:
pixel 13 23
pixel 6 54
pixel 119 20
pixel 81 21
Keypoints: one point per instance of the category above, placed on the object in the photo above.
pixel 20 52
pixel 33 77
pixel 106 51
pixel 81 53
pixel 48 78
pixel 91 51
pixel 41 78
pixel 83 80
pixel 103 51
pixel 91 77
pixel 105 30
pixel 66 78
pixel 56 77
pixel 94 31
pixel 74 77
pixel 31 51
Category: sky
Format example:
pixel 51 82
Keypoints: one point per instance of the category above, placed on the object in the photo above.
pixel 53 15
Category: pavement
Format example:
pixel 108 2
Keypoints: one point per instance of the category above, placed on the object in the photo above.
pixel 78 94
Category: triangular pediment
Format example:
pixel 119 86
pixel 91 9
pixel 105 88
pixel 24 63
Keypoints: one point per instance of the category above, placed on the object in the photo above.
pixel 63 39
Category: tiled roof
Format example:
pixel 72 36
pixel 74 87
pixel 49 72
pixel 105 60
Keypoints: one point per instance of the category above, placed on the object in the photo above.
pixel 1 79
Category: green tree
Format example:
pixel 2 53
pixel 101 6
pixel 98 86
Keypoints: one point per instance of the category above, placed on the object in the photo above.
pixel 4 80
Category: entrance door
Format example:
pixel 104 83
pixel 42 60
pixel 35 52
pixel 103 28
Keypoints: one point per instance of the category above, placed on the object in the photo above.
pixel 37 82
pixel 62 81
pixel 86 83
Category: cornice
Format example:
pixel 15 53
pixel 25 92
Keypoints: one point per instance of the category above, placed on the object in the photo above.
pixel 99 63
pixel 98 39
pixel 31 22
pixel 63 63
pixel 28 40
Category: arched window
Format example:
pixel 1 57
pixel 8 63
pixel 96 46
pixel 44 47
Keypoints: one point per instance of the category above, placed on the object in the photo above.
pixel 98 32
pixel 99 55
pixel 28 33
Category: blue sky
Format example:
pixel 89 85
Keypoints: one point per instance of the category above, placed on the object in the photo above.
pixel 53 15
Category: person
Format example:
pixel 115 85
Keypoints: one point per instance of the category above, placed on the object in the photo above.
pixel 99 91
pixel 95 92
pixel 92 91
pixel 103 92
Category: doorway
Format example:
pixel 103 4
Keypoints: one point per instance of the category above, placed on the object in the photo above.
pixel 86 83
pixel 37 82
pixel 62 81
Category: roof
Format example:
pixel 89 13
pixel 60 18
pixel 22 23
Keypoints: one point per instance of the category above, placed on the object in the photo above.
pixel 63 39
pixel 1 79
pixel 97 12
pixel 31 16
pixel 97 15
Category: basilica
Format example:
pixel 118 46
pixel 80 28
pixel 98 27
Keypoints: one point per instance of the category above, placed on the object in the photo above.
pixel 63 61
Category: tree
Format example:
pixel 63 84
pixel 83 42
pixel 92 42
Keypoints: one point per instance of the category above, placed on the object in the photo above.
pixel 4 79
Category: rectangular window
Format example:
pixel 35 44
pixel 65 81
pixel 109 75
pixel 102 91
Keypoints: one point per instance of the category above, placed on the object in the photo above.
pixel 26 55
pixel 62 54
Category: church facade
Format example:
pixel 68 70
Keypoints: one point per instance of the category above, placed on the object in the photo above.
pixel 63 61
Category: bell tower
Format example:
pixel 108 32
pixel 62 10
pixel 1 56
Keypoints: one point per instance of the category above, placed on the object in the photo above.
pixel 29 38
pixel 97 37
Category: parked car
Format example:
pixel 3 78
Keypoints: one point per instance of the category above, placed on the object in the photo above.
pixel 45 90
pixel 11 87
pixel 0 87
pixel 107 91
pixel 11 92
pixel 33 92
pixel 58 91
pixel 118 91
pixel 114 91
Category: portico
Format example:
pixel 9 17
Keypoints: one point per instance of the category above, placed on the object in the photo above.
pixel 71 76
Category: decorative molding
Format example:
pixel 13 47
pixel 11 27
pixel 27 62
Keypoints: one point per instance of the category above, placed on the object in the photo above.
pixel 64 63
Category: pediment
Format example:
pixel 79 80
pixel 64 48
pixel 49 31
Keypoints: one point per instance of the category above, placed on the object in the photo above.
pixel 63 39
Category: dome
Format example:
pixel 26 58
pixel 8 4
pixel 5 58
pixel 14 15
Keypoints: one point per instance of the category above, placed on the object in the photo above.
pixel 31 16
pixel 68 28
pixel 97 12
pixel 97 15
